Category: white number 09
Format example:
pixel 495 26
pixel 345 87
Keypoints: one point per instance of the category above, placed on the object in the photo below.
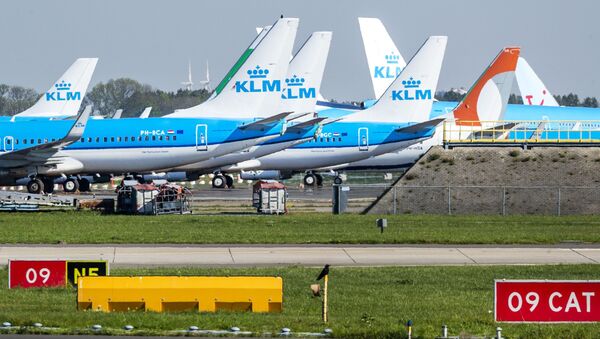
pixel 31 275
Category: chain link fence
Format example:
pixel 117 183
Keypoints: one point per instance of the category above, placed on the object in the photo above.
pixel 498 200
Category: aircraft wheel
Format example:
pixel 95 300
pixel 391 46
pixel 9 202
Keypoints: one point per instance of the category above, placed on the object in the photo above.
pixel 229 181
pixel 310 179
pixel 338 180
pixel 35 186
pixel 218 181
pixel 84 185
pixel 71 185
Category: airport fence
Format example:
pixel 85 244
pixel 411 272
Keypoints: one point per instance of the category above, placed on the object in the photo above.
pixel 498 200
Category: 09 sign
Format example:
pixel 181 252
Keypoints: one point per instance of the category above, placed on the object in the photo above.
pixel 547 301
pixel 52 273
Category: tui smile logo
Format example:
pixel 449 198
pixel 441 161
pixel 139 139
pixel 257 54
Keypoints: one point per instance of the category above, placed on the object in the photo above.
pixel 62 92
pixel 258 82
pixel 411 91
pixel 295 89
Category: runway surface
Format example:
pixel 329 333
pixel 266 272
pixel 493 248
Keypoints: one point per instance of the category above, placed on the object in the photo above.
pixel 312 255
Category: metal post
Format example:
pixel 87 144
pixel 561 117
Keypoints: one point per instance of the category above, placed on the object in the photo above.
pixel 449 202
pixel 444 331
pixel 498 332
pixel 325 298
pixel 395 201
pixel 558 207
pixel 503 200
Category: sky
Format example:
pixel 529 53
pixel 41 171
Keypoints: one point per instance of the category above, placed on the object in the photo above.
pixel 151 41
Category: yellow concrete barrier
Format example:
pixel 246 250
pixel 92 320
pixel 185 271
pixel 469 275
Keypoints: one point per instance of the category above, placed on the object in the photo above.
pixel 170 293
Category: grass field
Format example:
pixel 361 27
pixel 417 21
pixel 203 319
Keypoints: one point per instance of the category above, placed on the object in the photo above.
pixel 323 228
pixel 364 303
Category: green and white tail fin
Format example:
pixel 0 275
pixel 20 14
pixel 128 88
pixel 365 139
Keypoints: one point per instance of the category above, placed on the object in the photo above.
pixel 252 88
pixel 65 96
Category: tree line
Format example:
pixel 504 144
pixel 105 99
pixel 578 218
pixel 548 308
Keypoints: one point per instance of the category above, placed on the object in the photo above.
pixel 132 97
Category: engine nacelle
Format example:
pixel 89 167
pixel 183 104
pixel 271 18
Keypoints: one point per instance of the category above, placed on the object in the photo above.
pixel 68 165
pixel 260 175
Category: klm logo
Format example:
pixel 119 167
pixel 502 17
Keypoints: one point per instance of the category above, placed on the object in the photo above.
pixel 258 82
pixel 411 91
pixel 63 93
pixel 391 70
pixel 295 89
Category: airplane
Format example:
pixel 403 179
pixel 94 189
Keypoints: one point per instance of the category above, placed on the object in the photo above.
pixel 145 145
pixel 375 32
pixel 299 95
pixel 397 120
pixel 64 97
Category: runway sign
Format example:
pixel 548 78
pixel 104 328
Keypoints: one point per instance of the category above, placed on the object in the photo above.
pixel 52 273
pixel 36 273
pixel 85 268
pixel 547 301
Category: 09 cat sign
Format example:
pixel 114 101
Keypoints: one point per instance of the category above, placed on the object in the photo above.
pixel 52 273
pixel 547 301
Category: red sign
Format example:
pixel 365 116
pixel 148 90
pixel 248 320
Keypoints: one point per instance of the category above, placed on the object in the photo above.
pixel 547 301
pixel 37 273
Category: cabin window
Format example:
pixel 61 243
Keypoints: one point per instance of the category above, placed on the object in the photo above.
pixel 16 141
pixel 147 138
pixel 321 139
pixel 126 139
pixel 7 141
pixel 160 138
pixel 53 140
pixel 140 138
pixel 32 141
pixel 39 141
pixel 82 139
pixel 167 138
pixel 89 139
pixel 112 139
pixel 45 141
pixel 97 139
pixel 174 137
pixel 24 141
pixel 105 139
pixel 339 139
pixel 153 137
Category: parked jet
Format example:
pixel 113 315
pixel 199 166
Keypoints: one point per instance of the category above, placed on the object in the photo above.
pixel 145 145
pixel 533 90
pixel 398 120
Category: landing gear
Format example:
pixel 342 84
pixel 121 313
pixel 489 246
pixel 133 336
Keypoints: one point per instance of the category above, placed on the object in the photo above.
pixel 84 185
pixel 229 181
pixel 71 185
pixel 319 180
pixel 338 180
pixel 35 186
pixel 219 181
pixel 48 185
pixel 310 179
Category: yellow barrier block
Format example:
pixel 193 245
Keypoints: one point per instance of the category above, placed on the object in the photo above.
pixel 175 293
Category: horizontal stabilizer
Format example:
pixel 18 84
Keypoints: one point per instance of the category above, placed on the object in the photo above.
pixel 415 128
pixel 266 121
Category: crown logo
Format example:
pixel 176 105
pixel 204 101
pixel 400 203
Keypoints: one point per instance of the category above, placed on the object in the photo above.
pixel 63 86
pixel 294 81
pixel 411 83
pixel 257 73
pixel 392 58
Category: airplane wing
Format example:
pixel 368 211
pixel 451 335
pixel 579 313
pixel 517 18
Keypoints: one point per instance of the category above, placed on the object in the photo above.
pixel 118 114
pixel 258 124
pixel 420 126
pixel 41 153
pixel 306 124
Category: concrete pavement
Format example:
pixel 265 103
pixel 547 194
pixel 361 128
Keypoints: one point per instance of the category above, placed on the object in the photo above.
pixel 310 255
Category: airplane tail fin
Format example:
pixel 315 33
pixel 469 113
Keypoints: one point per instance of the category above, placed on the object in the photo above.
pixel 118 114
pixel 410 97
pixel 146 113
pixel 488 97
pixel 65 96
pixel 252 88
pixel 305 73
pixel 533 90
pixel 384 60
